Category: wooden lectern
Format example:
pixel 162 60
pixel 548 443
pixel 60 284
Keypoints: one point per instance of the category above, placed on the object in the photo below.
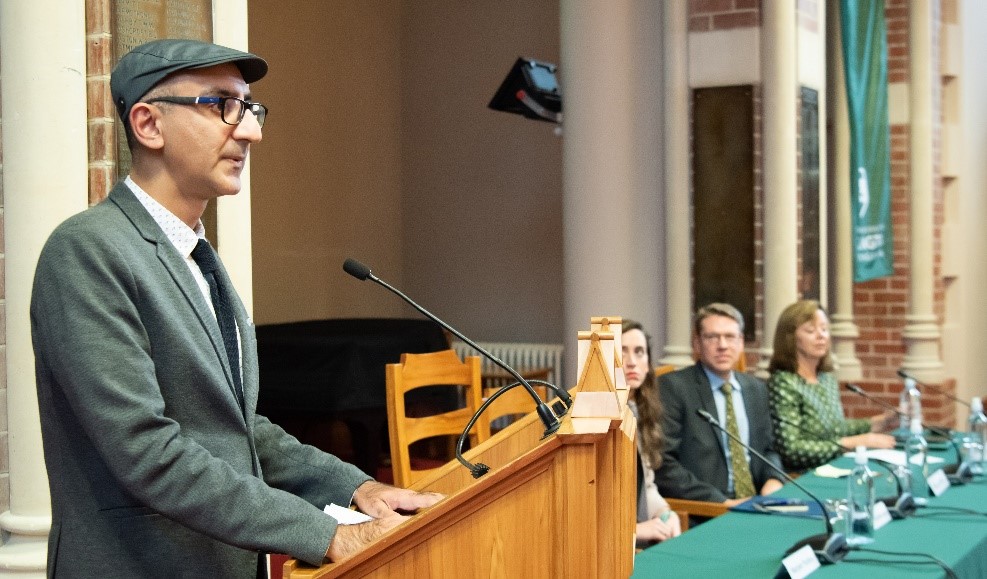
pixel 561 506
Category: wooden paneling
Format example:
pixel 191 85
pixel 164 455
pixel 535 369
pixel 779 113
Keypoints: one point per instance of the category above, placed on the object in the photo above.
pixel 723 199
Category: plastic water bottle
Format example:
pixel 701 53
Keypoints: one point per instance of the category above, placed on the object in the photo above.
pixel 916 457
pixel 914 399
pixel 904 409
pixel 860 501
pixel 977 437
pixel 904 476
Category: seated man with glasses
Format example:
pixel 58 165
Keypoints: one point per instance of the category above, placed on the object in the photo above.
pixel 700 462
pixel 146 358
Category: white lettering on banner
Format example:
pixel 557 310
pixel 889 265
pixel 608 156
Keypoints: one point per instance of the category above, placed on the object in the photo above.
pixel 870 242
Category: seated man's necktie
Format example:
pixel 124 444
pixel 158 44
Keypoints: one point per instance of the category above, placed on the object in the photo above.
pixel 743 483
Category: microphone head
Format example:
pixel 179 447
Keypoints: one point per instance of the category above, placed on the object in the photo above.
pixel 356 269
pixel 853 388
pixel 902 373
pixel 704 415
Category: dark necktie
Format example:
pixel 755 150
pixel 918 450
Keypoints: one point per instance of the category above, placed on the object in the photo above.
pixel 743 483
pixel 207 261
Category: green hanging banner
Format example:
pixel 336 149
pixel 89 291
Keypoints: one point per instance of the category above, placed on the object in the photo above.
pixel 865 63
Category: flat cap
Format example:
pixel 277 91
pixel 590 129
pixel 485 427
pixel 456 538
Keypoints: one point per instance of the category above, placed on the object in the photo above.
pixel 148 64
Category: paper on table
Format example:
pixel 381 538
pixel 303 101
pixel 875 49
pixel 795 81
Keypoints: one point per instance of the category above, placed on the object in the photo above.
pixel 895 457
pixel 830 471
pixel 345 516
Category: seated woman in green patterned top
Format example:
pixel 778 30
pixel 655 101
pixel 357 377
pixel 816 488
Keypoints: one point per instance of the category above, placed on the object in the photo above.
pixel 810 428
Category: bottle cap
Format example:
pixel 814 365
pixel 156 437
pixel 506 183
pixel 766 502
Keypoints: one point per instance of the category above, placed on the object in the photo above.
pixel 977 404
pixel 861 456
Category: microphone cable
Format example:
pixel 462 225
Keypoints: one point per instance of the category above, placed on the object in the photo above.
pixel 932 559
pixel 957 510
pixel 479 469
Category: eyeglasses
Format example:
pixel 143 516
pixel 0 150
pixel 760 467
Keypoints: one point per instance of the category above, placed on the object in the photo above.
pixel 232 108
pixel 712 339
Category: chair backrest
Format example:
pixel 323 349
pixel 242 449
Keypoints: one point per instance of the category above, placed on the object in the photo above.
pixel 511 404
pixel 516 401
pixel 442 368
pixel 741 363
pixel 664 369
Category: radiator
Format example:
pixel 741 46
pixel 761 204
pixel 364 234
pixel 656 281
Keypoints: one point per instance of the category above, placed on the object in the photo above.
pixel 518 356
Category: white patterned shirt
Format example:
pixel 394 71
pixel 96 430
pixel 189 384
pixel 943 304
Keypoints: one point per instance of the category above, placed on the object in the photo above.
pixel 183 238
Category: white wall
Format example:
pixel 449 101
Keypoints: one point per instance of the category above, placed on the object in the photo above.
pixel 482 190
pixel 380 146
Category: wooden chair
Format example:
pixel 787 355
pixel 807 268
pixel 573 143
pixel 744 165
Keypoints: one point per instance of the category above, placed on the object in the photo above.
pixel 516 402
pixel 433 369
pixel 664 369
pixel 741 363
pixel 684 508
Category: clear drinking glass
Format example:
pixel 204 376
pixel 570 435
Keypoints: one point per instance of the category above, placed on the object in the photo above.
pixel 973 449
pixel 838 513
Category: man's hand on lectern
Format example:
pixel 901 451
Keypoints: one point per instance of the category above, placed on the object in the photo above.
pixel 351 539
pixel 384 503
pixel 378 499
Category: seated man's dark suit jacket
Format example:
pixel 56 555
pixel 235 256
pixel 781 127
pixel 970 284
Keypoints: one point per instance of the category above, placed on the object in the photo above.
pixel 155 469
pixel 693 465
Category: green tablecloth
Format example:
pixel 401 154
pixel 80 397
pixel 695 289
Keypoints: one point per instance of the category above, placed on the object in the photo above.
pixel 738 545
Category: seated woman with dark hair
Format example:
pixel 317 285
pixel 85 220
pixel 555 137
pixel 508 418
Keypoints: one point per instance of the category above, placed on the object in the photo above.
pixel 655 520
pixel 810 427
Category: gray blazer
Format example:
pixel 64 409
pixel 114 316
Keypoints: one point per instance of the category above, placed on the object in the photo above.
pixel 693 464
pixel 154 468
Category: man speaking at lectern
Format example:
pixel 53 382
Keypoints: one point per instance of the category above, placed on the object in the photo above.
pixel 146 359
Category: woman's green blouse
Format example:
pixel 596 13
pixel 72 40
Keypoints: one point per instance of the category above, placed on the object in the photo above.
pixel 808 419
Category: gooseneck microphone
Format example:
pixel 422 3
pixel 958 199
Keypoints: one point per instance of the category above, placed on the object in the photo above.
pixel 904 374
pixel 829 547
pixel 958 473
pixel 900 506
pixel 548 418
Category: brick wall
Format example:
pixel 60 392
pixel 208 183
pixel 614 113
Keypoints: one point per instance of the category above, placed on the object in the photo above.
pixel 102 114
pixel 709 15
pixel 896 17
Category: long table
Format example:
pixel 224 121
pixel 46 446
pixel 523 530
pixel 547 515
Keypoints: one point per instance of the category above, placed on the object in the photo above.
pixel 739 545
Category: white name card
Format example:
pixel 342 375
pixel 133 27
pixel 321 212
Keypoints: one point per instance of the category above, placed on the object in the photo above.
pixel 801 563
pixel 938 482
pixel 882 516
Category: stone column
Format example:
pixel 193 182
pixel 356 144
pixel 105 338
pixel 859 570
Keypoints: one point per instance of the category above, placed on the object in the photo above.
pixel 842 327
pixel 780 84
pixel 45 176
pixel 678 186
pixel 921 333
pixel 233 235
pixel 610 71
